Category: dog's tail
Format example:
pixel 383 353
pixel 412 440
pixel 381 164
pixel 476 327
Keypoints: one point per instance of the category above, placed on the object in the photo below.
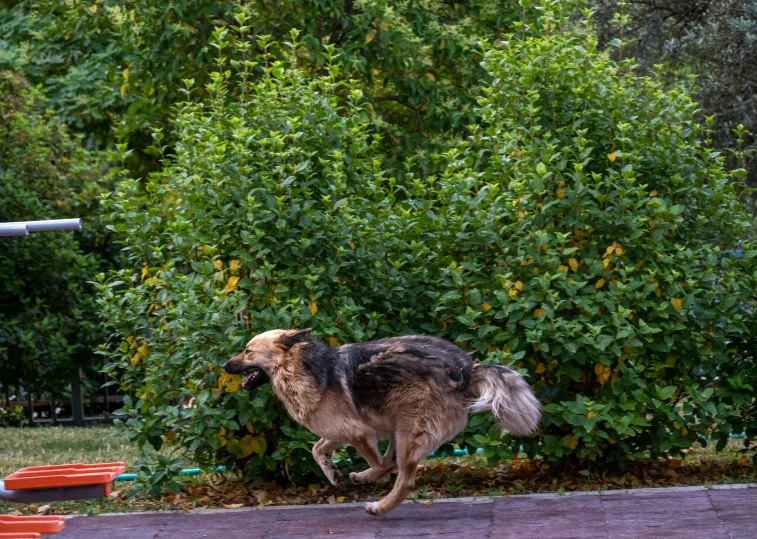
pixel 508 396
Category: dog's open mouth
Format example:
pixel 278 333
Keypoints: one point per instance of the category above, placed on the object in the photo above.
pixel 254 379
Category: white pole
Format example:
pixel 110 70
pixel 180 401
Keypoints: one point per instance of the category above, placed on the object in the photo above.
pixel 22 228
pixel 13 229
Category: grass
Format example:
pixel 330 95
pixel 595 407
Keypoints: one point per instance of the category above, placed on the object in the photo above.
pixel 24 447
pixel 437 478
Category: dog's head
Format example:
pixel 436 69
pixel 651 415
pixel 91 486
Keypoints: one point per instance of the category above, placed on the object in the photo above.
pixel 262 354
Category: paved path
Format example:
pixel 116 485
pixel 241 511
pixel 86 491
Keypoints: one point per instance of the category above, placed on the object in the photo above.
pixel 649 513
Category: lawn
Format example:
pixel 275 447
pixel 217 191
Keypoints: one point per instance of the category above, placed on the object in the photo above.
pixel 437 478
pixel 62 445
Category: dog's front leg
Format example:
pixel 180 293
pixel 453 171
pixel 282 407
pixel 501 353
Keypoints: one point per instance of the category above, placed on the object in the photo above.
pixel 322 454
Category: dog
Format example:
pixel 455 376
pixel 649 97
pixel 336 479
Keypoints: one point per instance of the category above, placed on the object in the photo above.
pixel 416 391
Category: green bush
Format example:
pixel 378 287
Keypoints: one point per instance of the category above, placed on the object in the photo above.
pixel 583 235
pixel 13 416
pixel 596 249
pixel 260 220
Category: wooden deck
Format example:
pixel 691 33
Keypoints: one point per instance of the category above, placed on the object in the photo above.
pixel 659 514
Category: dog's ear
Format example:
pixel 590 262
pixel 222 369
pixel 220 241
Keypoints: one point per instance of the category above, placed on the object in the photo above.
pixel 292 337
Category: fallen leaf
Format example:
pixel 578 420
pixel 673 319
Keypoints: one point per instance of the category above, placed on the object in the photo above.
pixel 232 505
pixel 43 510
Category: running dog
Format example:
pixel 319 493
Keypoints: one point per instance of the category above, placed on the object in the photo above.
pixel 415 391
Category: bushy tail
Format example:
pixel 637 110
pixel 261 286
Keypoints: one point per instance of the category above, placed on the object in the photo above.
pixel 508 396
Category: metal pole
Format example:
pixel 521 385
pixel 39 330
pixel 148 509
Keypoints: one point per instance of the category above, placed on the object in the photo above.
pixel 77 403
pixel 22 228
pixel 13 229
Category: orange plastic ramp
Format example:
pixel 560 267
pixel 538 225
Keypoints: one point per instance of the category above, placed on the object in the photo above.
pixel 20 535
pixel 40 524
pixel 64 475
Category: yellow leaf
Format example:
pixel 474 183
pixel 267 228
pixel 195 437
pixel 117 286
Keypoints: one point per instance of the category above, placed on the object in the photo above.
pixel 540 368
pixel 252 444
pixel 512 292
pixel 333 341
pixel 605 263
pixel 657 292
pixel 570 442
pixel 676 425
pixel 144 272
pixel 93 8
pixel 369 36
pixel 231 284
pixel 233 385
pixel 485 307
pixel 519 286
pixel 600 283
pixel 234 265
pixel 609 250
pixel 135 359
pixel 352 245
pixel 560 193
pixel 205 250
pixel 598 369
pixel 126 73
pixel 143 350
pixel 539 312
pixel 384 26
pixel 573 264
pixel 653 194
pixel 684 431
pixel 618 251
pixel 562 268
pixel 611 157
pixel 123 90
pixel 190 28
pixel 430 76
pixel 313 307
pixel 250 428
pixel 217 264
pixel 590 415
pixel 676 303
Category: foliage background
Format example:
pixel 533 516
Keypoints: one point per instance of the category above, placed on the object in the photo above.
pixel 584 234
pixel 48 321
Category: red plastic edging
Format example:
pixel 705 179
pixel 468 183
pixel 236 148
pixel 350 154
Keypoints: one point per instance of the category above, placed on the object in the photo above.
pixel 20 535
pixel 39 524
pixel 64 475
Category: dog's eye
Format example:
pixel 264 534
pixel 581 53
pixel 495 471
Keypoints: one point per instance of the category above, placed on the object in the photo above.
pixel 248 351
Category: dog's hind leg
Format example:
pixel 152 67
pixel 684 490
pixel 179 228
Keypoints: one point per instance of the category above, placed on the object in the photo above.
pixel 382 472
pixel 322 454
pixel 379 466
pixel 412 445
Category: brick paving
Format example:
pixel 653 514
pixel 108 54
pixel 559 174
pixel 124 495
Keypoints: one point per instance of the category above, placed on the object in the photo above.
pixel 721 513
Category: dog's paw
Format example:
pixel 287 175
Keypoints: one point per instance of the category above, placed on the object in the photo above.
pixel 357 478
pixel 335 477
pixel 373 508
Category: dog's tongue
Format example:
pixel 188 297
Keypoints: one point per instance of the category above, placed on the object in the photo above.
pixel 249 378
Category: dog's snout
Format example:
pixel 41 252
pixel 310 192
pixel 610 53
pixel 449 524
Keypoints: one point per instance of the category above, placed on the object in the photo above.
pixel 224 366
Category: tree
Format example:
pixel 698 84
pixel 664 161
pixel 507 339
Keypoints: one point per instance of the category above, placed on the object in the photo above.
pixel 716 40
pixel 48 320
pixel 119 63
